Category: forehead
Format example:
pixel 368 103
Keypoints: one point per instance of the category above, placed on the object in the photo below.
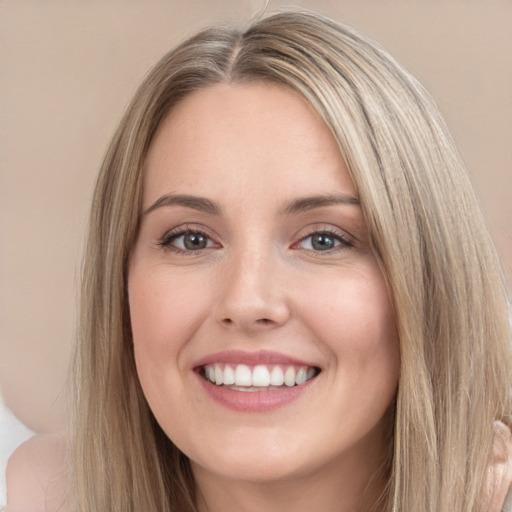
pixel 250 135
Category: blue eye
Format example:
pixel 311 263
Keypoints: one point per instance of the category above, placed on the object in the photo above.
pixel 185 241
pixel 323 241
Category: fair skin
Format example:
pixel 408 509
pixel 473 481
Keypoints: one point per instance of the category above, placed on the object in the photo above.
pixel 261 283
pixel 253 250
pixel 37 475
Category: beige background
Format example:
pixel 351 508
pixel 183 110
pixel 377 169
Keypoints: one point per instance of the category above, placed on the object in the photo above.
pixel 68 69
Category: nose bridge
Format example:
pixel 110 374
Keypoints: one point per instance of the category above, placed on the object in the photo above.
pixel 252 295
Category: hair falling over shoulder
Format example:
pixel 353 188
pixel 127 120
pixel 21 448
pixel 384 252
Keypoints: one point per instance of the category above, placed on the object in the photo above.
pixel 426 229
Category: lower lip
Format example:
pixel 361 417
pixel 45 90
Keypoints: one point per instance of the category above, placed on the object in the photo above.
pixel 254 401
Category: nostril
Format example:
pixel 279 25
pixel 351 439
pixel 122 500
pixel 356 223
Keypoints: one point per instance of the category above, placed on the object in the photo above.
pixel 260 321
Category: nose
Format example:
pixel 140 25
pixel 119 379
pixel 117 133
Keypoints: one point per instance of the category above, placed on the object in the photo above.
pixel 252 296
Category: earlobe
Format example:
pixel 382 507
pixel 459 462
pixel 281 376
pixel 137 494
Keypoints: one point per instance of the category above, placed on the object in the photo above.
pixel 502 445
pixel 499 476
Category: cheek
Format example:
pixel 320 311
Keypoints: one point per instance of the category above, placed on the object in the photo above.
pixel 162 320
pixel 164 312
pixel 356 321
pixel 352 315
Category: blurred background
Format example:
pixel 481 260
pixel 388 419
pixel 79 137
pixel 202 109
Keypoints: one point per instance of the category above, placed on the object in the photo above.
pixel 68 69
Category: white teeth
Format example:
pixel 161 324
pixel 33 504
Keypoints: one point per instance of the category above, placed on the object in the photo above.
pixel 300 377
pixel 219 375
pixel 289 376
pixel 259 376
pixel 277 376
pixel 229 375
pixel 243 375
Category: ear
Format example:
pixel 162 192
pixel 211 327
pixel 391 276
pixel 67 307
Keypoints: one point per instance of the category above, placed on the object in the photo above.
pixel 499 477
pixel 36 475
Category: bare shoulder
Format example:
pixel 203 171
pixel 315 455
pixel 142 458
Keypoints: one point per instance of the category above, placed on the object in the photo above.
pixel 37 475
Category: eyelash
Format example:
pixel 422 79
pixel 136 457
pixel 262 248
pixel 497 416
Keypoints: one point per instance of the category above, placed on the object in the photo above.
pixel 171 236
pixel 343 242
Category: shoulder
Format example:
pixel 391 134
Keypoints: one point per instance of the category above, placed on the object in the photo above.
pixel 36 475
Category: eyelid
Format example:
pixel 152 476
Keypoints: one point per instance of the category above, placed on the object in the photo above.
pixel 346 240
pixel 184 229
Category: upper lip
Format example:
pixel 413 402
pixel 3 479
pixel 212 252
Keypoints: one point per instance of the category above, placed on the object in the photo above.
pixel 250 358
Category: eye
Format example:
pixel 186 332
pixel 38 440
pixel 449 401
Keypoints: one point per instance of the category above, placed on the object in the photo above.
pixel 323 241
pixel 186 240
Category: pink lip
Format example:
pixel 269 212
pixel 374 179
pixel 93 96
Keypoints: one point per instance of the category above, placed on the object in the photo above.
pixel 256 401
pixel 249 358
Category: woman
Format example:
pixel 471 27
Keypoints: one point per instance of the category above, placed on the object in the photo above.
pixel 289 296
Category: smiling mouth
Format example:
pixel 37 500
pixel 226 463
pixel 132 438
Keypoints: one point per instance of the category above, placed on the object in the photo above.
pixel 242 377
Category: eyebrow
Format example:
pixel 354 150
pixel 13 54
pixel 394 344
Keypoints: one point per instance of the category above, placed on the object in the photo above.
pixel 196 203
pixel 303 204
pixel 298 205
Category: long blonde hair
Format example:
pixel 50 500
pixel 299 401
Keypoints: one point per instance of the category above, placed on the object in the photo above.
pixel 427 233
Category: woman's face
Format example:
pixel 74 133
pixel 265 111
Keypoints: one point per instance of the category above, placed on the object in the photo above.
pixel 264 337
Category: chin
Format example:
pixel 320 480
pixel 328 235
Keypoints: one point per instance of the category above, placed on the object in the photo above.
pixel 258 463
pixel 260 471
